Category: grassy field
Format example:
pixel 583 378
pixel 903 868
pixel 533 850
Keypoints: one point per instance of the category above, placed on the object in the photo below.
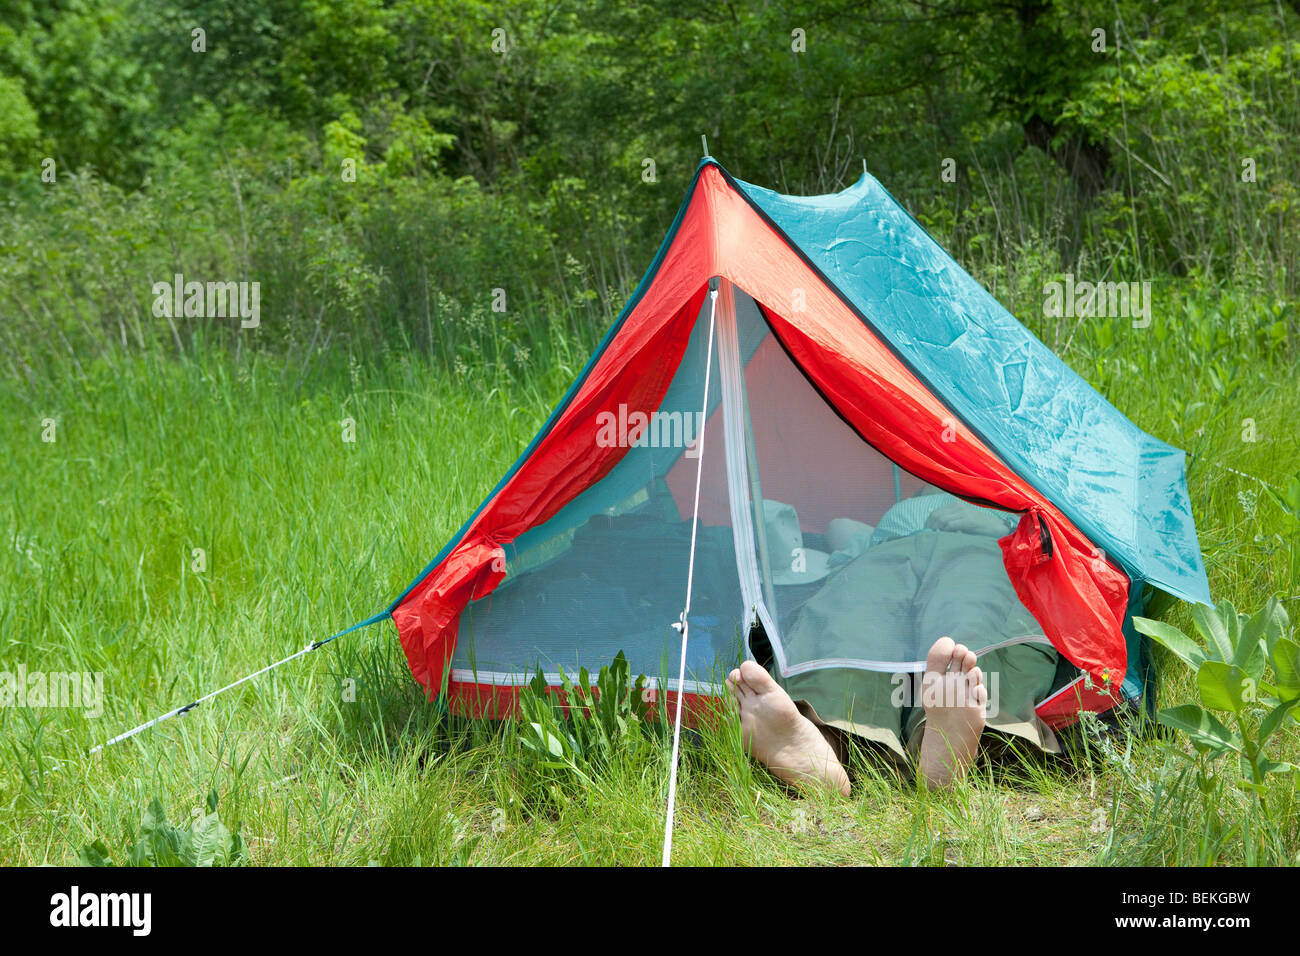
pixel 301 533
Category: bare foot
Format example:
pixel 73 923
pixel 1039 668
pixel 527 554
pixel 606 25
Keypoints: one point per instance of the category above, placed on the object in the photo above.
pixel 784 740
pixel 954 696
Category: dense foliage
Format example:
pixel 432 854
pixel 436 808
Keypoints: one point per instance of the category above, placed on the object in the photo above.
pixel 381 168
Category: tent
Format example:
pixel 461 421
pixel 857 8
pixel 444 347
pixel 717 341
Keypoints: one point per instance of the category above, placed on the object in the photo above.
pixel 818 361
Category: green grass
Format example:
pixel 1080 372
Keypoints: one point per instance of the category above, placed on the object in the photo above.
pixel 305 534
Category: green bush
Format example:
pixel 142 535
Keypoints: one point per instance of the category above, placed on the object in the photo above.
pixel 205 841
pixel 1231 661
pixel 569 738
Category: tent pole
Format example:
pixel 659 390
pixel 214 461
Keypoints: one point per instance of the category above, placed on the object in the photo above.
pixel 684 625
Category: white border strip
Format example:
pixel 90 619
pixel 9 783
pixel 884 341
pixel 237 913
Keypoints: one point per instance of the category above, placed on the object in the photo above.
pixel 901 667
pixel 738 488
pixel 463 675
pixel 733 425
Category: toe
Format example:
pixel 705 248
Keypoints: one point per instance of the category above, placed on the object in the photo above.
pixel 939 655
pixel 755 678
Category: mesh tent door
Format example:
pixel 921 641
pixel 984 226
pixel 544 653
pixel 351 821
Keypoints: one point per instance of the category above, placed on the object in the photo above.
pixel 608 572
pixel 847 560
